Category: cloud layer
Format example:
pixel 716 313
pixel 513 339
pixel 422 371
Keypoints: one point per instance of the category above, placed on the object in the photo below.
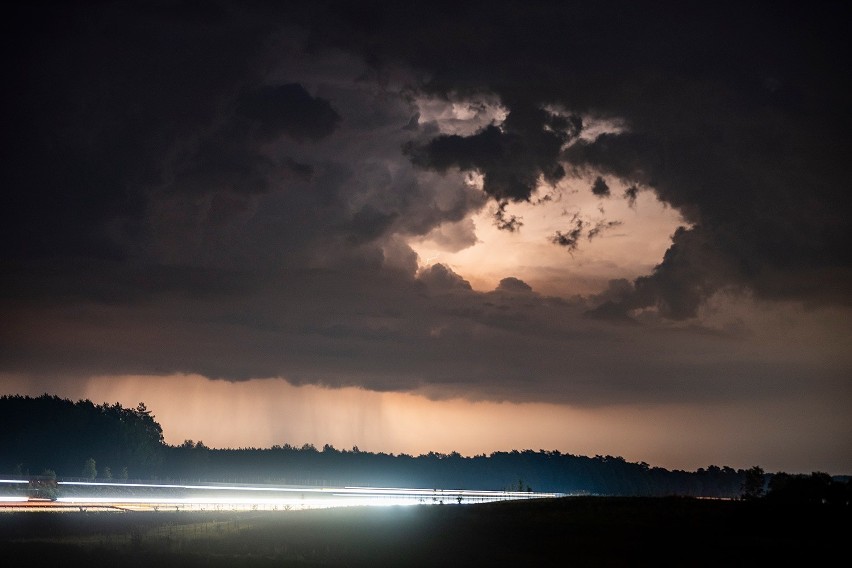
pixel 231 191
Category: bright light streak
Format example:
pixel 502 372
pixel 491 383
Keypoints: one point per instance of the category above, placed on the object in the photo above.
pixel 216 487
pixel 218 497
pixel 451 492
pixel 244 496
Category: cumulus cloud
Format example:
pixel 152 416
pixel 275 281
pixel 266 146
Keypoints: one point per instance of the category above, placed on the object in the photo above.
pixel 441 277
pixel 512 284
pixel 228 190
pixel 511 157
pixel 454 237
pixel 740 135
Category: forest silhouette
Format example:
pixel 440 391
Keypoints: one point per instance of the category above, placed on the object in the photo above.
pixel 73 440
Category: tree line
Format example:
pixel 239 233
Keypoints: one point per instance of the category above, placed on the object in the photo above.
pixel 56 434
pixel 48 434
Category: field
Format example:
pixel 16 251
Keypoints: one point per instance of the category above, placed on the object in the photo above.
pixel 572 531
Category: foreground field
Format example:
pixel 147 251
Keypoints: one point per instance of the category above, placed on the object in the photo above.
pixel 573 531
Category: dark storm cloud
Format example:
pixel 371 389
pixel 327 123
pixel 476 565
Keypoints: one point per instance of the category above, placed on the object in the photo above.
pixel 506 221
pixel 600 188
pixel 231 158
pixel 227 189
pixel 511 157
pixel 98 95
pixel 387 331
pixel 291 110
pixel 691 270
pixel 368 223
pixel 735 115
pixel 165 133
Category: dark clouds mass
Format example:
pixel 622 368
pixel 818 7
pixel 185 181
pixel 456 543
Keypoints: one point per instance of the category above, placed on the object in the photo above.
pixel 512 158
pixel 225 188
pixel 289 109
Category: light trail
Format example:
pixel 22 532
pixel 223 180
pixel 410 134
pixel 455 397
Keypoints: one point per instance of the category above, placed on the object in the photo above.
pixel 217 496
pixel 324 489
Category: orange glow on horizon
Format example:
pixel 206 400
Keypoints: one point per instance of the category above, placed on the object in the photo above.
pixel 261 413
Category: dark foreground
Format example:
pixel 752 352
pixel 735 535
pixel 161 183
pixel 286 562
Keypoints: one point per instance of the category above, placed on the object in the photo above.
pixel 574 531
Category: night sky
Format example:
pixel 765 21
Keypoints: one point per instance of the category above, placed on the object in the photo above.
pixel 606 228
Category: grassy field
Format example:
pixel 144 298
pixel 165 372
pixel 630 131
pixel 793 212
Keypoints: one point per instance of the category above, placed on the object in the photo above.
pixel 574 531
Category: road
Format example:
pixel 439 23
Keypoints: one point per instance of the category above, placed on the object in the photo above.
pixel 117 496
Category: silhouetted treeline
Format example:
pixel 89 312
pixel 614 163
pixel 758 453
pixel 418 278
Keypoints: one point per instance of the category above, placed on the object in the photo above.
pixel 818 487
pixel 86 440
pixel 51 433
pixel 512 470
